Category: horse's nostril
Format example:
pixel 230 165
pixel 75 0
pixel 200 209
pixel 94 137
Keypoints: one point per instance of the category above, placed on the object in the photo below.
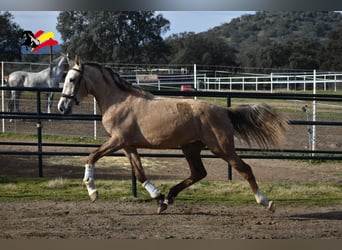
pixel 60 109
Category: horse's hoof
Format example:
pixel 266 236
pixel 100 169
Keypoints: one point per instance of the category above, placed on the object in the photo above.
pixel 162 207
pixel 169 201
pixel 271 206
pixel 94 196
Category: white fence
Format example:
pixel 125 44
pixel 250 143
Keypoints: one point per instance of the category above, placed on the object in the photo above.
pixel 265 83
pixel 273 82
pixel 205 80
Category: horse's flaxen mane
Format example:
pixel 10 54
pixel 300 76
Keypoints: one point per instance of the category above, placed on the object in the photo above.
pixel 118 80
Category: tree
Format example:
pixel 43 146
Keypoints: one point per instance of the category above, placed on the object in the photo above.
pixel 330 55
pixel 272 56
pixel 190 48
pixel 304 55
pixel 114 36
pixel 10 34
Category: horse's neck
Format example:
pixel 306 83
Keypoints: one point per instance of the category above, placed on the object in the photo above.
pixel 56 73
pixel 109 97
pixel 59 68
pixel 106 94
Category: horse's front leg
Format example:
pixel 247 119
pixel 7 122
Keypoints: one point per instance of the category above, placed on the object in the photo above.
pixel 13 102
pixel 109 147
pixel 139 172
pixel 49 101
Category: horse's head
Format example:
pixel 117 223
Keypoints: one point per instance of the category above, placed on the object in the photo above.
pixel 73 88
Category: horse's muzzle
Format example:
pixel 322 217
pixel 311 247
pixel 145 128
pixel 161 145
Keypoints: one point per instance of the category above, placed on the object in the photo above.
pixel 64 106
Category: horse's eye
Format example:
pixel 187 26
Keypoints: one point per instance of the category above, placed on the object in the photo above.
pixel 71 79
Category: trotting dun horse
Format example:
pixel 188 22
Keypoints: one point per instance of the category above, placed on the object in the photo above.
pixel 47 78
pixel 136 119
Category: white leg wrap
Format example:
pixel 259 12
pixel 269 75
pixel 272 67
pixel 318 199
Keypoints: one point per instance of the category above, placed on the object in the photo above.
pixel 261 199
pixel 89 172
pixel 89 179
pixel 90 184
pixel 154 192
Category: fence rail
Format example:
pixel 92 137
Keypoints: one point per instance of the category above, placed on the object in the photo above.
pixel 39 115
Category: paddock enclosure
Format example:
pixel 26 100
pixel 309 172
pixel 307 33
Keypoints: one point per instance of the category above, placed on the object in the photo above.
pixel 34 143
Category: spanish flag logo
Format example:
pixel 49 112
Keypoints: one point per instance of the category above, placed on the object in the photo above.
pixel 39 39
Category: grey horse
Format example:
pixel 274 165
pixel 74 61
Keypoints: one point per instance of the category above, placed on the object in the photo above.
pixel 47 78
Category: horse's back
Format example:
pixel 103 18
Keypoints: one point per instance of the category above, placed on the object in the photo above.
pixel 28 79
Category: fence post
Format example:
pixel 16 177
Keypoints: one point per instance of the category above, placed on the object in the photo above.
pixel 305 83
pixel 195 79
pixel 325 82
pixel 314 114
pixel 39 135
pixel 2 96
pixel 256 84
pixel 95 122
pixel 230 174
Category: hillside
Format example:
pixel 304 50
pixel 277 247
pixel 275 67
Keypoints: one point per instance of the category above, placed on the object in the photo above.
pixel 284 39
pixel 265 28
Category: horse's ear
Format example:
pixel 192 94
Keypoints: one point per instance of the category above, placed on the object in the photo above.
pixel 77 60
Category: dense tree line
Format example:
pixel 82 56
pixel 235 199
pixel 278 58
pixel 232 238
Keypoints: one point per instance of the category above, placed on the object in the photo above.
pixel 10 34
pixel 277 39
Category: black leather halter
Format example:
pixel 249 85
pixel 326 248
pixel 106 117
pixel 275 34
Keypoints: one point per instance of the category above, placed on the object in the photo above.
pixel 73 96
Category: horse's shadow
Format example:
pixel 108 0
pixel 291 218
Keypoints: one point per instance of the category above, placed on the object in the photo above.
pixel 333 215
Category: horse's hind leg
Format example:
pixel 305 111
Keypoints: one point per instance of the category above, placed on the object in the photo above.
pixel 16 100
pixel 13 102
pixel 223 146
pixel 10 106
pixel 192 155
pixel 246 171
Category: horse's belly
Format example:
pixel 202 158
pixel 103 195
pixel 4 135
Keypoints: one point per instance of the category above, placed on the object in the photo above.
pixel 169 131
pixel 168 135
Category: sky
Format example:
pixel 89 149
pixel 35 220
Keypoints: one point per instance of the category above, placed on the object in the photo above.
pixel 180 21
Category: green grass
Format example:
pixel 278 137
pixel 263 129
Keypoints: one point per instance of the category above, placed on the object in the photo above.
pixel 204 192
pixel 51 138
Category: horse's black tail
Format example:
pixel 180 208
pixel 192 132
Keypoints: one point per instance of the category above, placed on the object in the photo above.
pixel 258 123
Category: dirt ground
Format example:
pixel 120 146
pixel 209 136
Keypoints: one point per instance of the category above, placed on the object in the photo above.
pixel 106 220
pixel 131 220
